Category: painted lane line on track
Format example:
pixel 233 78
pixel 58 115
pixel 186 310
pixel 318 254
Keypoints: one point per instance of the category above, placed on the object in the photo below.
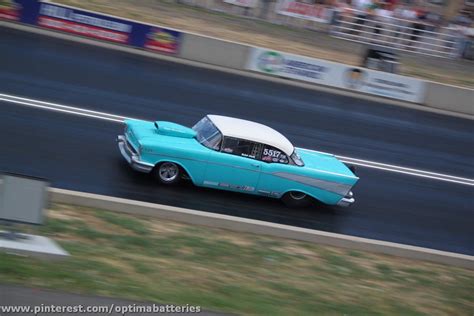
pixel 360 161
pixel 119 119
pixel 468 182
pixel 64 111
pixel 62 108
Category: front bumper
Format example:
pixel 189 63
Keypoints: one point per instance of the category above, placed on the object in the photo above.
pixel 131 157
pixel 348 200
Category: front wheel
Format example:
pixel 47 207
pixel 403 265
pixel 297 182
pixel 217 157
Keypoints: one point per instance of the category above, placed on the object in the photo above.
pixel 296 199
pixel 168 173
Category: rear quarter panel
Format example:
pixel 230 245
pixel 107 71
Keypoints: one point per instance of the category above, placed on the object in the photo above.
pixel 328 188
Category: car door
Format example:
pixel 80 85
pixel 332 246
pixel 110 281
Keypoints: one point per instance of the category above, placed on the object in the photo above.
pixel 236 167
pixel 274 161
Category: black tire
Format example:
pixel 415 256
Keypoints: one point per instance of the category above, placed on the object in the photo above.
pixel 167 173
pixel 296 199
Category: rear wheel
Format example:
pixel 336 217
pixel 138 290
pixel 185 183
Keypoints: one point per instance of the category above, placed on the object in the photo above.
pixel 296 199
pixel 168 173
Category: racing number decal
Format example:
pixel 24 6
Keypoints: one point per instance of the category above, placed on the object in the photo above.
pixel 271 153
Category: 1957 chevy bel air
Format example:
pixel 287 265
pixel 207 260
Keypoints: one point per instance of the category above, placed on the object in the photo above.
pixel 237 155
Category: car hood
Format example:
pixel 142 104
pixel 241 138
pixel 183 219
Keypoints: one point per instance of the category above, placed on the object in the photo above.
pixel 173 129
pixel 139 130
pixel 324 162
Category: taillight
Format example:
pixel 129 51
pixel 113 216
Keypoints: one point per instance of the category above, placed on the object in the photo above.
pixel 353 169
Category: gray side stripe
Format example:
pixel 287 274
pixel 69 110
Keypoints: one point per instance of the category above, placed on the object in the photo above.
pixel 330 186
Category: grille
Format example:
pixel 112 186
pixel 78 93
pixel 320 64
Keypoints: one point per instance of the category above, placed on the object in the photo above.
pixel 130 148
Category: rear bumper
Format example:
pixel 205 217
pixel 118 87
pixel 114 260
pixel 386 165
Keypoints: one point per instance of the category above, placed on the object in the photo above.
pixel 348 200
pixel 132 158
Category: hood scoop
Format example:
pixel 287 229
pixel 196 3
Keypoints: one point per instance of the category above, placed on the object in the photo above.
pixel 174 130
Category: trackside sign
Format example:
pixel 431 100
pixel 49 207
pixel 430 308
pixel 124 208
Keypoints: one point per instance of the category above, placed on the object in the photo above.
pixel 58 17
pixel 82 23
pixel 336 75
pixel 10 10
pixel 243 3
pixel 290 66
pixel 313 12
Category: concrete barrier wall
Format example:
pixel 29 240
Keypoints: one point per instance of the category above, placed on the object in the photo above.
pixel 214 51
pixel 258 227
pixel 449 98
pixel 235 56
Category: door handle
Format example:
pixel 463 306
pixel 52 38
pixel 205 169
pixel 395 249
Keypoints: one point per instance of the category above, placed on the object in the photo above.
pixel 256 165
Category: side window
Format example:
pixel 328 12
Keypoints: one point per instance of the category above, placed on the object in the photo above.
pixel 271 154
pixel 241 147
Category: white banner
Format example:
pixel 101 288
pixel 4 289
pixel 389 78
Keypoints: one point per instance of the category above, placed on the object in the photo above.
pixel 313 12
pixel 382 83
pixel 336 75
pixel 243 3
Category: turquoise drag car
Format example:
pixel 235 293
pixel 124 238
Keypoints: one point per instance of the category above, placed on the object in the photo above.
pixel 238 155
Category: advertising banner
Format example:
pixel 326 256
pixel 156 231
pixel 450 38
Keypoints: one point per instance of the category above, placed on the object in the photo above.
pixel 10 10
pixel 84 23
pixel 336 75
pixel 381 83
pixel 163 40
pixel 243 3
pixel 296 9
pixel 91 24
pixel 291 66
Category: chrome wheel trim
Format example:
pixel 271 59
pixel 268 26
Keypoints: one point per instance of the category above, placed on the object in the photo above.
pixel 297 195
pixel 168 171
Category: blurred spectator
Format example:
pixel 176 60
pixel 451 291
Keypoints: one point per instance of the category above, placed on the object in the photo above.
pixel 434 21
pixel 403 26
pixel 418 26
pixel 362 7
pixel 461 25
pixel 383 18
pixel 384 13
pixel 408 14
pixel 468 51
pixel 340 9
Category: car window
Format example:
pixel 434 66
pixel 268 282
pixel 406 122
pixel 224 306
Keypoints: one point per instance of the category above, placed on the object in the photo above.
pixel 297 159
pixel 241 147
pixel 273 155
pixel 207 134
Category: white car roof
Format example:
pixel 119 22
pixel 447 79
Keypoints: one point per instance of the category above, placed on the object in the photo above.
pixel 248 130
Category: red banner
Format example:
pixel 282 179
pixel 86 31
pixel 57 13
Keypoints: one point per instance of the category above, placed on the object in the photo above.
pixel 9 14
pixel 313 12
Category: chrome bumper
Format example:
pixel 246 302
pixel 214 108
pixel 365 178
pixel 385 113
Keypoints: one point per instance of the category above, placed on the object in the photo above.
pixel 132 158
pixel 348 200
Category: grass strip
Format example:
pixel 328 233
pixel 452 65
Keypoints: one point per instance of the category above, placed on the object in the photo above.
pixel 156 260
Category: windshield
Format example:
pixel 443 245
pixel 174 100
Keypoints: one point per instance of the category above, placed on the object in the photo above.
pixel 297 159
pixel 207 134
